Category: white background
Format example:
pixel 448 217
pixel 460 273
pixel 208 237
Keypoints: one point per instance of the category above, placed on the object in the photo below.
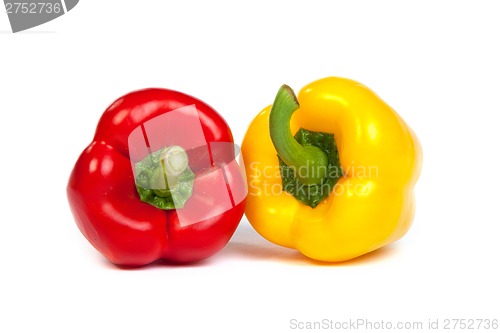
pixel 436 63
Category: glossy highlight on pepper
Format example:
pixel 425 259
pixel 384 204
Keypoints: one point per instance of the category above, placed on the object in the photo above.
pixel 370 206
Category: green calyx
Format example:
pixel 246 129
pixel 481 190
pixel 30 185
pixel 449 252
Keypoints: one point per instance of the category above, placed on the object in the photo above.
pixel 164 179
pixel 309 161
pixel 312 195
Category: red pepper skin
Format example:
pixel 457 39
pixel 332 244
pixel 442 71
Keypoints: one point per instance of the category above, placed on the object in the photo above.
pixel 105 203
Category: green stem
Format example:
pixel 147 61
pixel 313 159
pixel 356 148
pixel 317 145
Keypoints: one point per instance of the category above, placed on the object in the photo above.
pixel 164 179
pixel 172 162
pixel 308 162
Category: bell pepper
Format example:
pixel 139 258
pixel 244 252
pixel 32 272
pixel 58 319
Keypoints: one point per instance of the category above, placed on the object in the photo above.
pixel 342 186
pixel 158 181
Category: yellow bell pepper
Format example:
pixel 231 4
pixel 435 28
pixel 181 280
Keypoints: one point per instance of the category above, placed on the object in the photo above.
pixel 371 203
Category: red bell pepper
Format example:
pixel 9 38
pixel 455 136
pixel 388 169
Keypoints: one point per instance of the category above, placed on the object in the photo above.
pixel 159 181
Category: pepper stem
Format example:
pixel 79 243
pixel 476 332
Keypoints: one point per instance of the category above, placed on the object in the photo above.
pixel 164 179
pixel 172 162
pixel 309 163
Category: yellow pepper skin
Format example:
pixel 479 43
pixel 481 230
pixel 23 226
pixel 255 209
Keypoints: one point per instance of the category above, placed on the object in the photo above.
pixel 372 204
